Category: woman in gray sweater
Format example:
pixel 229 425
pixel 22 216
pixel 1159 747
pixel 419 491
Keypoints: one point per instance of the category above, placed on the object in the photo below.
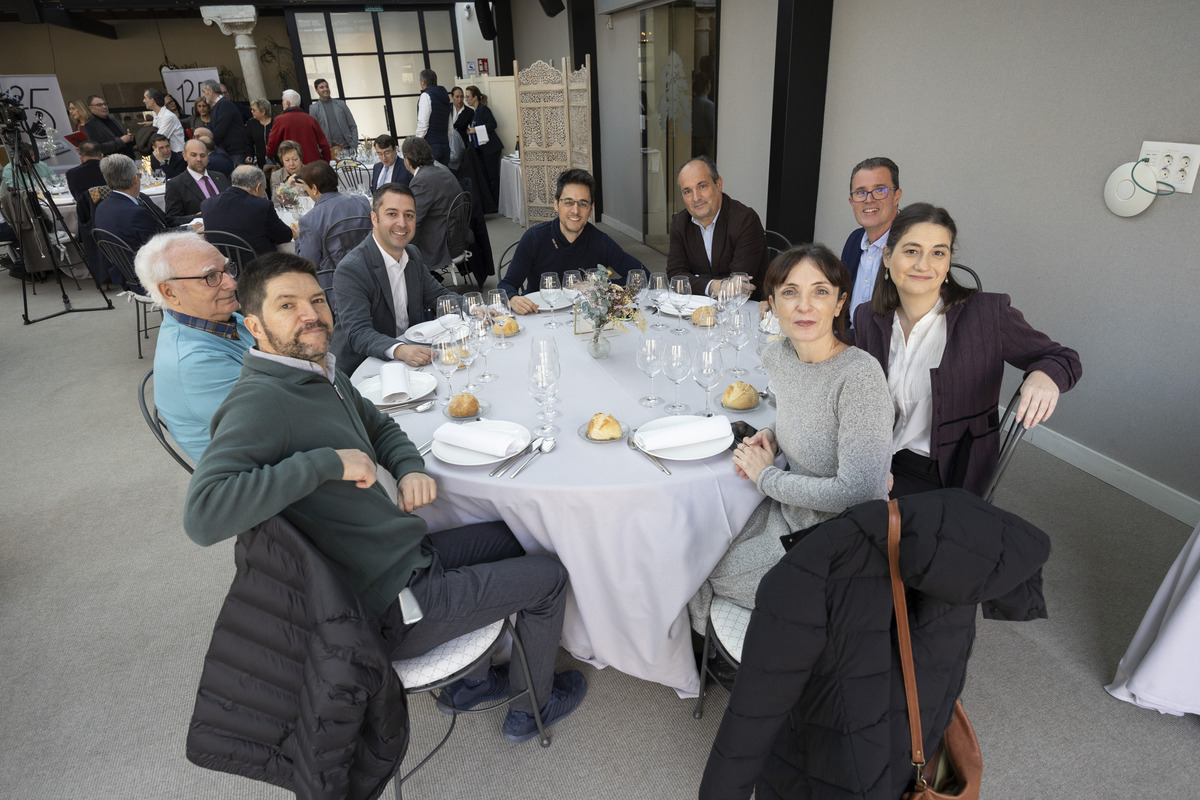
pixel 834 424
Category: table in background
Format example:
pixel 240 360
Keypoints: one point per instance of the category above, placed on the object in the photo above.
pixel 512 196
pixel 636 542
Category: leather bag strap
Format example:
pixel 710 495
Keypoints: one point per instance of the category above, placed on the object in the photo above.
pixel 903 639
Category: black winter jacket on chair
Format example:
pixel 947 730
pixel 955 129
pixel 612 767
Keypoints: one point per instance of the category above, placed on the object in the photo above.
pixel 818 709
pixel 297 688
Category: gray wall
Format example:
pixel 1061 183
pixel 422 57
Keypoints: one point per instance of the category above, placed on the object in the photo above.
pixel 1012 115
pixel 620 127
pixel 537 37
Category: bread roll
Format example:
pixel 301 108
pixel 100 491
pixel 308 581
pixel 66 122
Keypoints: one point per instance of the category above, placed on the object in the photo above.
pixel 603 427
pixel 739 395
pixel 704 317
pixel 464 405
pixel 509 328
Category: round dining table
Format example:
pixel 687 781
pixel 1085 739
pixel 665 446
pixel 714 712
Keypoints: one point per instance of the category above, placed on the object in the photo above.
pixel 636 541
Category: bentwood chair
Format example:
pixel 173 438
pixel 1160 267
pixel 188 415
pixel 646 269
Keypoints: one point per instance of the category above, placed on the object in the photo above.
pixel 340 238
pixel 1010 434
pixel 726 631
pixel 459 237
pixel 776 243
pixel 233 247
pixel 157 427
pixel 968 272
pixel 505 259
pixel 353 178
pixel 118 253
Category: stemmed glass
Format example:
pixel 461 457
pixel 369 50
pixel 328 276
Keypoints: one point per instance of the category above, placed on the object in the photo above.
pixel 656 291
pixel 649 360
pixel 739 281
pixel 677 365
pixel 679 294
pixel 762 335
pixel 635 285
pixel 450 314
pixel 479 331
pixel 551 289
pixel 707 367
pixel 737 336
pixel 498 303
pixel 466 356
pixel 445 361
pixel 544 374
pixel 472 305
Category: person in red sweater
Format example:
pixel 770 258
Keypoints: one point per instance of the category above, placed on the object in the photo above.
pixel 294 124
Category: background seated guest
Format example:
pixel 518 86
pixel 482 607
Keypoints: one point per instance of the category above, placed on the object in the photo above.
pixel 218 159
pixel 389 169
pixel 291 160
pixel 569 242
pixel 434 188
pixel 714 235
pixel 321 448
pixel 936 338
pixel 163 160
pixel 83 177
pixel 198 357
pixel 124 212
pixel 185 192
pixel 383 286
pixel 833 424
pixel 245 210
pixel 106 131
pixel 258 130
pixel 32 163
pixel 299 127
pixel 329 206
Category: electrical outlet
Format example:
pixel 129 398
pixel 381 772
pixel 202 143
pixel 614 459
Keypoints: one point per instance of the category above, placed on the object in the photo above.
pixel 1174 164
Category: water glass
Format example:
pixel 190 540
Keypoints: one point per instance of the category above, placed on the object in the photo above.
pixel 445 361
pixel 679 294
pixel 737 335
pixel 635 285
pixel 473 306
pixel 707 367
pixel 656 291
pixel 740 282
pixel 677 365
pixel 551 289
pixel 649 360
pixel 543 378
pixel 479 331
pixel 497 301
pixel 450 314
pixel 467 353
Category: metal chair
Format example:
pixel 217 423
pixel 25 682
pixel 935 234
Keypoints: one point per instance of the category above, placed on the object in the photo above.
pixel 726 629
pixel 777 243
pixel 353 178
pixel 1010 433
pixel 506 259
pixel 458 237
pixel 233 247
pixel 456 659
pixel 340 238
pixel 972 273
pixel 118 253
pixel 156 424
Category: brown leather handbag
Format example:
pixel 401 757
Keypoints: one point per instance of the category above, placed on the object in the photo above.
pixel 955 770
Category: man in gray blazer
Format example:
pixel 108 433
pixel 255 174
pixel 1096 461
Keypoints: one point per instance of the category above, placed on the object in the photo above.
pixel 383 286
pixel 434 188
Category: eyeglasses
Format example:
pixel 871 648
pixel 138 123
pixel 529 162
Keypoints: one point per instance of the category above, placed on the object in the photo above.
pixel 210 278
pixel 101 104
pixel 569 203
pixel 879 194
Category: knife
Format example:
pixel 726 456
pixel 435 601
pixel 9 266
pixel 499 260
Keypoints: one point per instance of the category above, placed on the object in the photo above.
pixel 655 461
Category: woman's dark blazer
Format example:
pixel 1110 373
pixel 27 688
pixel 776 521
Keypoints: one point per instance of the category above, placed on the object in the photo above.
pixel 485 119
pixel 981 335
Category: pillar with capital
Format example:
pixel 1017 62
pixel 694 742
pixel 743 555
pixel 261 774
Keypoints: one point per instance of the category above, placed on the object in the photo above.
pixel 238 22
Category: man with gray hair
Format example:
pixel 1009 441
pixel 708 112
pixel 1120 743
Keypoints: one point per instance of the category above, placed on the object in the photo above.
pixel 245 210
pixel 334 117
pixel 435 116
pixel 124 212
pixel 293 124
pixel 198 357
pixel 229 133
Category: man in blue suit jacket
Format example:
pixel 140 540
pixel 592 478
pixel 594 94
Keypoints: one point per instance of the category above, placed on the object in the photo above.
pixel 372 276
pixel 874 199
pixel 228 128
pixel 390 168
pixel 123 213
pixel 162 159
pixel 245 210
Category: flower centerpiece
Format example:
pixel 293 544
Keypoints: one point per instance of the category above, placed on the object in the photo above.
pixel 287 197
pixel 605 305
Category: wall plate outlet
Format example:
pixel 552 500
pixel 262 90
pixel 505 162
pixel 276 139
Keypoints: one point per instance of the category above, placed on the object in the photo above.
pixel 1173 163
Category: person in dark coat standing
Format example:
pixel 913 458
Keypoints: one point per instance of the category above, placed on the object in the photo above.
pixel 491 150
pixel 229 132
pixel 258 130
pixel 244 210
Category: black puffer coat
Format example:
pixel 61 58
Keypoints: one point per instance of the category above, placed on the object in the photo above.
pixel 818 709
pixel 297 688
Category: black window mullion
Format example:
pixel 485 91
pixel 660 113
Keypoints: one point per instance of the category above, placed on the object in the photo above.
pixel 383 76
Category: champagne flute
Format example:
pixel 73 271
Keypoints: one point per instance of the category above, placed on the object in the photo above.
pixel 501 313
pixel 677 365
pixel 656 290
pixel 551 289
pixel 737 336
pixel 679 294
pixel 649 360
pixel 707 367
pixel 480 333
pixel 449 314
pixel 445 361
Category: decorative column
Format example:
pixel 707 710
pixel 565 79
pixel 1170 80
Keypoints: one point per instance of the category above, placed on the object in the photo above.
pixel 238 22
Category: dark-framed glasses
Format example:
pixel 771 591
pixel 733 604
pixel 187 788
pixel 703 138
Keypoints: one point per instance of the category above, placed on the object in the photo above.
pixel 210 278
pixel 879 194
pixel 568 202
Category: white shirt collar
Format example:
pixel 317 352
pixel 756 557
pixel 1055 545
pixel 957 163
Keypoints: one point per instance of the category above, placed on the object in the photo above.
pixel 300 363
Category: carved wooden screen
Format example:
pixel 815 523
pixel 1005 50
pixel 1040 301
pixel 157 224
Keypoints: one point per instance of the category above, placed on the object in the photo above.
pixel 554 110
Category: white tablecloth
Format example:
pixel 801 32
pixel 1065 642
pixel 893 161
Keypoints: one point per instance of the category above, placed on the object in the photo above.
pixel 637 542
pixel 512 197
pixel 1159 668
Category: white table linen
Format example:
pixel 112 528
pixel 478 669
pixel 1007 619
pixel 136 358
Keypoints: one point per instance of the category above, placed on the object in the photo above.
pixel 636 542
pixel 512 197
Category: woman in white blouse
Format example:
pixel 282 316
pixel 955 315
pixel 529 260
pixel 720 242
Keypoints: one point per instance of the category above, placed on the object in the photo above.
pixel 943 347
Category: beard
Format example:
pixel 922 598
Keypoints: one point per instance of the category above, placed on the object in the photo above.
pixel 297 349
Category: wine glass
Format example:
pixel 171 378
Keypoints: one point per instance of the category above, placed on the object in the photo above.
pixel 679 294
pixel 707 367
pixel 472 305
pixel 739 289
pixel 657 289
pixel 551 289
pixel 649 360
pixel 635 285
pixel 479 331
pixel 762 335
pixel 737 336
pixel 450 314
pixel 497 300
pixel 543 380
pixel 677 365
pixel 445 361
pixel 466 356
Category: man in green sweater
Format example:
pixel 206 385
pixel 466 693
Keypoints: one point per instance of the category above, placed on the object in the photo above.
pixel 294 437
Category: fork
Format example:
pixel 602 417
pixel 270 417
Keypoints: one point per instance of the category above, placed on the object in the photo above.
pixel 633 446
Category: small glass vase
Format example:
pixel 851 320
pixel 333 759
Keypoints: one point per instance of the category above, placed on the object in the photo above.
pixel 598 346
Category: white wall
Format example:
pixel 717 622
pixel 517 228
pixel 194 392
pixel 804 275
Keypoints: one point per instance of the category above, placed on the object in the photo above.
pixel 472 45
pixel 1012 115
pixel 620 129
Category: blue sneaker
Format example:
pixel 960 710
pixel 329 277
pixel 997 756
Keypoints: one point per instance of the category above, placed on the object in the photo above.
pixel 569 690
pixel 463 696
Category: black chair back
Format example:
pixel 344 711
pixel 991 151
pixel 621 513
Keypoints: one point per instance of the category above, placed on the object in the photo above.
pixel 970 273
pixel 458 226
pixel 118 253
pixel 233 247
pixel 156 424
pixel 353 179
pixel 776 243
pixel 344 235
pixel 505 260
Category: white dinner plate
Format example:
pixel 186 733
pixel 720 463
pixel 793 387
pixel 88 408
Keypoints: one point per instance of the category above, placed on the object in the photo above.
pixel 544 304
pixel 695 302
pixel 426 333
pixel 484 407
pixel 583 434
pixel 462 457
pixel 420 384
pixel 687 452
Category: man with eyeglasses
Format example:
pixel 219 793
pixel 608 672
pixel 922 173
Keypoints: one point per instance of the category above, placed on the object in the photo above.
pixel 105 131
pixel 198 357
pixel 875 200
pixel 569 242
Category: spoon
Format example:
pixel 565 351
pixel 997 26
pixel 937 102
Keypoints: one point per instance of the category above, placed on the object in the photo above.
pixel 428 404
pixel 508 462
pixel 547 446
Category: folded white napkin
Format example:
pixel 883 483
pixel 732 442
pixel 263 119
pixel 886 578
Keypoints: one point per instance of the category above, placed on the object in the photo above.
pixel 696 301
pixel 479 438
pixel 393 378
pixel 425 332
pixel 685 433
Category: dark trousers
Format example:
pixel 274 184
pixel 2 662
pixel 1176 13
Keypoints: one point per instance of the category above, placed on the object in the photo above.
pixel 491 171
pixel 913 473
pixel 481 574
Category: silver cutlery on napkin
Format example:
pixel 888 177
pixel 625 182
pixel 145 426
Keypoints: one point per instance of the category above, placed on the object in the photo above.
pixel 508 462
pixel 547 445
pixel 633 446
